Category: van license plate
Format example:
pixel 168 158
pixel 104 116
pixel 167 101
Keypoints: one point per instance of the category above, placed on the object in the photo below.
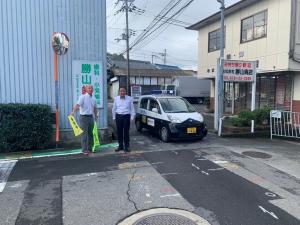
pixel 191 130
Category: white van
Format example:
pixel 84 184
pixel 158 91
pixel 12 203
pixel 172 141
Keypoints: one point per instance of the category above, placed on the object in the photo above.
pixel 172 117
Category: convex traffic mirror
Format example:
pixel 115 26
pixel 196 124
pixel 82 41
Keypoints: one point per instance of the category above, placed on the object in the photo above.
pixel 60 43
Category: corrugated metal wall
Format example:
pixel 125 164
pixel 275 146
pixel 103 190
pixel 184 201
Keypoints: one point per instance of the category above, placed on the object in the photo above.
pixel 26 55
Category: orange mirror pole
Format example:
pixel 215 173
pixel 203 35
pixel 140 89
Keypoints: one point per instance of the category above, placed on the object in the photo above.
pixel 56 97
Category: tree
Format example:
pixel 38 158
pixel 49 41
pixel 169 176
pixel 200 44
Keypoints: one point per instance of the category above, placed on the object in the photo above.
pixel 115 56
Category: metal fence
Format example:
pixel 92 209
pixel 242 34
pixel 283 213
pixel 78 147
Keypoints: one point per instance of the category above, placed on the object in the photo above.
pixel 285 124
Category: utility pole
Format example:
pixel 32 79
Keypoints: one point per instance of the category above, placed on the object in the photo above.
pixel 164 55
pixel 219 78
pixel 127 49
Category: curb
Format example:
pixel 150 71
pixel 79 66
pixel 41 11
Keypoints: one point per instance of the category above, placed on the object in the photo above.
pixel 36 154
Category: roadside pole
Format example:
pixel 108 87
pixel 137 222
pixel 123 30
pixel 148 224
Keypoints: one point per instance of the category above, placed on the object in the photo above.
pixel 219 78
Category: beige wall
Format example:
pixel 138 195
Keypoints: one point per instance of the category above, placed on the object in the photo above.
pixel 272 51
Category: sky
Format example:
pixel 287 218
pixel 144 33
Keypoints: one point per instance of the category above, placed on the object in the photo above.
pixel 180 43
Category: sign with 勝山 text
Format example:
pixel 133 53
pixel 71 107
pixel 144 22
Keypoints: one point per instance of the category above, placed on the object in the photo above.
pixel 239 71
pixel 87 72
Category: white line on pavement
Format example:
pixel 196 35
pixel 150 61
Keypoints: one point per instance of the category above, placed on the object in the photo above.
pixel 216 169
pixel 167 174
pixel 220 162
pixel 174 195
pixel 157 163
pixel 204 172
pixel 193 165
pixel 266 211
pixel 6 168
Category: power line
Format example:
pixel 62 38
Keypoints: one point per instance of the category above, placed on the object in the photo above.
pixel 175 14
pixel 152 29
pixel 156 20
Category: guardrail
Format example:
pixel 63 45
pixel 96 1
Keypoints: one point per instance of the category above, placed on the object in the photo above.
pixel 284 124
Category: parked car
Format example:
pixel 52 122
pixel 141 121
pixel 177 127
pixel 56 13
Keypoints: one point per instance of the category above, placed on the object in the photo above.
pixel 171 117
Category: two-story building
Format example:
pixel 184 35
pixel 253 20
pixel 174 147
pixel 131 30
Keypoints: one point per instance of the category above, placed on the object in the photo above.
pixel 265 31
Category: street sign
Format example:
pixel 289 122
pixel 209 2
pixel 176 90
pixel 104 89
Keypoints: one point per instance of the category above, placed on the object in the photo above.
pixel 276 114
pixel 136 92
pixel 88 73
pixel 239 71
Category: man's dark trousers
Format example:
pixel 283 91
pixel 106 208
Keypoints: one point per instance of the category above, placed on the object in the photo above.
pixel 87 125
pixel 123 125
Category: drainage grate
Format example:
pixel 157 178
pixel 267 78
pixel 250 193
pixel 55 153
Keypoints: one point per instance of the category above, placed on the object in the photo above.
pixel 260 155
pixel 165 219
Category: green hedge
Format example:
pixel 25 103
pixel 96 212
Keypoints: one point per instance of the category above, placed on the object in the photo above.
pixel 24 126
pixel 260 117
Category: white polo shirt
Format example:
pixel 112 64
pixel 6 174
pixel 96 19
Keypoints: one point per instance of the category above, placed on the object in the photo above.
pixel 87 104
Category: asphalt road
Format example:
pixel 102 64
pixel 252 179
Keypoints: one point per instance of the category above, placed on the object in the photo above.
pixel 104 189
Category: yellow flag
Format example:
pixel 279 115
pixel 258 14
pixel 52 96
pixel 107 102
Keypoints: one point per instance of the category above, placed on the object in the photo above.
pixel 77 130
pixel 96 137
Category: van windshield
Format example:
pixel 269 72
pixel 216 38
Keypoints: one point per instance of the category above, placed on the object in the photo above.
pixel 176 105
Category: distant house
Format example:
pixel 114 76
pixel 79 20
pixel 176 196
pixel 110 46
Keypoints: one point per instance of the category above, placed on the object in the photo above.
pixel 265 31
pixel 148 76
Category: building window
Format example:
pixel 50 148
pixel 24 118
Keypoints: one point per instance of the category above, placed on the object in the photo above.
pixel 153 80
pixel 214 40
pixel 139 80
pixel 161 81
pixel 146 80
pixel 132 80
pixel 168 80
pixel 254 27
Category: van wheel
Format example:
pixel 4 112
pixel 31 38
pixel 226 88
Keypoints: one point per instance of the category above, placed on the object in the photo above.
pixel 164 134
pixel 138 125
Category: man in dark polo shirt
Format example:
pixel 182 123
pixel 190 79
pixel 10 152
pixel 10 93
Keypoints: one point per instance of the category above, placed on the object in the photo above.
pixel 88 114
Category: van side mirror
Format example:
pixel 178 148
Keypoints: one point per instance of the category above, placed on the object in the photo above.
pixel 154 110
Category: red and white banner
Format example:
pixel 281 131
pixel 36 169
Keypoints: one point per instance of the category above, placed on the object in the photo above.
pixel 239 71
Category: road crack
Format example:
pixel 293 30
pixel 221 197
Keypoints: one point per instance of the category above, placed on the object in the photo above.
pixel 129 190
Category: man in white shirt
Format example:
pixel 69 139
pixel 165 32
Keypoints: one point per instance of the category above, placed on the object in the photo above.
pixel 88 110
pixel 122 112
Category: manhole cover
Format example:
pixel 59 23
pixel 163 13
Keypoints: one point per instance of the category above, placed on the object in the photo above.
pixel 164 216
pixel 260 155
pixel 166 219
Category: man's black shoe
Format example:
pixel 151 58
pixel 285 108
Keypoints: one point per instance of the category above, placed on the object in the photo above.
pixel 126 150
pixel 118 149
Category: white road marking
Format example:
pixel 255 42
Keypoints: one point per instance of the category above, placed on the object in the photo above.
pixel 6 168
pixel 157 163
pixel 205 173
pixel 167 174
pixel 220 162
pixel 216 169
pixel 147 195
pixel 270 194
pixel 176 153
pixel 91 174
pixel 2 186
pixel 193 165
pixel 174 195
pixel 202 159
pixel 266 211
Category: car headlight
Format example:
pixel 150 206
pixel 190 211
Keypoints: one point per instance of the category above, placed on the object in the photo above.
pixel 174 119
pixel 201 118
